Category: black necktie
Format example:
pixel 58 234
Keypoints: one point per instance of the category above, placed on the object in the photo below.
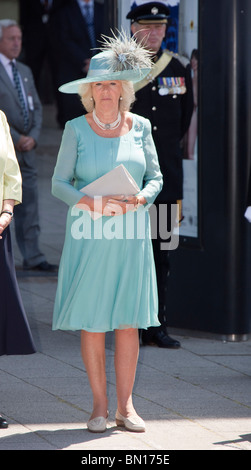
pixel 18 87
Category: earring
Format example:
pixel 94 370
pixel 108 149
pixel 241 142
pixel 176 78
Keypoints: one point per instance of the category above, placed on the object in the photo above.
pixel 121 98
pixel 91 99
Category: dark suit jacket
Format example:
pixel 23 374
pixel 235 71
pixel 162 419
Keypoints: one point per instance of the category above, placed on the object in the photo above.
pixel 170 116
pixel 75 42
pixel 11 106
pixel 32 11
pixel 35 30
pixel 32 19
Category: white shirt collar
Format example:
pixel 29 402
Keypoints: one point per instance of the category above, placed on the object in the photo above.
pixel 5 61
pixel 6 64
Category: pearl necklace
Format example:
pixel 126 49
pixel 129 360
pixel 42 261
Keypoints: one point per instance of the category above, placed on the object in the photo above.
pixel 106 127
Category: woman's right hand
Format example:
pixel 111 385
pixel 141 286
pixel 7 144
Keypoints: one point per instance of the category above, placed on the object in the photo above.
pixel 6 214
pixel 5 220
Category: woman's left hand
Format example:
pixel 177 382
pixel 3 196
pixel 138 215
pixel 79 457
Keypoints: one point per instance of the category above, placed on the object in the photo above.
pixel 5 220
pixel 122 204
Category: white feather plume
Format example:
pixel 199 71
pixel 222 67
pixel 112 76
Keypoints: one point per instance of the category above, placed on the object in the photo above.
pixel 126 53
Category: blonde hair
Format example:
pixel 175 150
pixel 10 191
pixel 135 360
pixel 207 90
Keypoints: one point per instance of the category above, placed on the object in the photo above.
pixel 127 95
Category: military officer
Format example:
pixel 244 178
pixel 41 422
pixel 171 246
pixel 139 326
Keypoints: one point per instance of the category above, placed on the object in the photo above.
pixel 165 97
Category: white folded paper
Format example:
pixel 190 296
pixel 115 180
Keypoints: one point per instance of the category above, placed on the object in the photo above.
pixel 116 182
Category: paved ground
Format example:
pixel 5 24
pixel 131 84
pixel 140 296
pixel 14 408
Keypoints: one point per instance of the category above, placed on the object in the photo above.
pixel 194 398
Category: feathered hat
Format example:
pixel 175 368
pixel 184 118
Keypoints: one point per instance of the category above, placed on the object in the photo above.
pixel 122 58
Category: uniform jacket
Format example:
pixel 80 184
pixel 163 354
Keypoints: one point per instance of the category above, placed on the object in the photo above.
pixel 170 114
pixel 10 105
pixel 10 176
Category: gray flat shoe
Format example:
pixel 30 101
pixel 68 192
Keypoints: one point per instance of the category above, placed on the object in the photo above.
pixel 97 424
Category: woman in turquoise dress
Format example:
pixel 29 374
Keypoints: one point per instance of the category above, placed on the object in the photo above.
pixel 107 277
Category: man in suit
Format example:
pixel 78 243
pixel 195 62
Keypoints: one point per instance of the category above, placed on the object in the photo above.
pixel 20 102
pixel 166 99
pixel 81 24
pixel 41 41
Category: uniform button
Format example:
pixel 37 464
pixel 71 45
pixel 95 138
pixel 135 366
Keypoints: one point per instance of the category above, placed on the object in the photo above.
pixel 154 108
pixel 155 128
pixel 154 88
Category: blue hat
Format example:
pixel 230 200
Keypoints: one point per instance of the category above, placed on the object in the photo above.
pixel 122 58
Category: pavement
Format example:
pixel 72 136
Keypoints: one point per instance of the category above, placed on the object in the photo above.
pixel 197 397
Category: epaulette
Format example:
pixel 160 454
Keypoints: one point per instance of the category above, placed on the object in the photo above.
pixel 181 58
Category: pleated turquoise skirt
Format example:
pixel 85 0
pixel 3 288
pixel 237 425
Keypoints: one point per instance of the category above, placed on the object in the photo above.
pixel 106 283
